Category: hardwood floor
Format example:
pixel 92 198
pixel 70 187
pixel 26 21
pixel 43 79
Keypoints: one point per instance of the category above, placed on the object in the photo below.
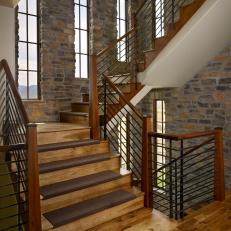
pixel 215 216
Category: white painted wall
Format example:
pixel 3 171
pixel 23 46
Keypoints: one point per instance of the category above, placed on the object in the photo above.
pixel 204 36
pixel 7 36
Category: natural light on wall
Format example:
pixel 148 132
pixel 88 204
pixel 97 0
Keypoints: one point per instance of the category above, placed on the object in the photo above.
pixel 81 39
pixel 122 26
pixel 28 49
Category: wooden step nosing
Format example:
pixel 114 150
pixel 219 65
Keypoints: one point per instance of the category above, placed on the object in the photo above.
pixel 65 145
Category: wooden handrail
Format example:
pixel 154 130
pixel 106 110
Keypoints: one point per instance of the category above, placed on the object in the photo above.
pixel 182 136
pixel 114 44
pixel 9 76
pixel 123 97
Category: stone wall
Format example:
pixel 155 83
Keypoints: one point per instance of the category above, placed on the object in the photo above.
pixel 201 104
pixel 58 84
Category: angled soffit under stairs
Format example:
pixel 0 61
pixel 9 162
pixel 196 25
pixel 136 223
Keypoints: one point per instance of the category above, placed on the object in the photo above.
pixel 203 37
pixel 9 3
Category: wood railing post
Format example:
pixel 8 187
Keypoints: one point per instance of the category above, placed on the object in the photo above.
pixel 93 100
pixel 33 196
pixel 219 187
pixel 146 181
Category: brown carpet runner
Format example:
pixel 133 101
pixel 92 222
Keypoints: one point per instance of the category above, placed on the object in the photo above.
pixel 64 187
pixel 71 213
pixel 62 164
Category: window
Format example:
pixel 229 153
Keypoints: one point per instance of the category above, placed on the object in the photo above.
pixel 122 26
pixel 28 49
pixel 159 6
pixel 81 39
pixel 159 127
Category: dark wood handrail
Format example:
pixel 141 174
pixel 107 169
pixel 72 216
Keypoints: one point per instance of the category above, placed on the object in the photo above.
pixel 4 65
pixel 182 136
pixel 123 97
pixel 112 45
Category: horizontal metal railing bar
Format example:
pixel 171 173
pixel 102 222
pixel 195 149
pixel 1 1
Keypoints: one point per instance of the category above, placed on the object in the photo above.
pixel 12 205
pixel 187 153
pixel 115 43
pixel 7 148
pixel 182 136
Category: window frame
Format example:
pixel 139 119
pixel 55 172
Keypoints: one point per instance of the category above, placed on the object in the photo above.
pixel 159 185
pixel 124 41
pixel 27 42
pixel 79 39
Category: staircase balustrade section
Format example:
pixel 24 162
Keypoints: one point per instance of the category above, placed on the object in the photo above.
pixel 20 207
pixel 186 170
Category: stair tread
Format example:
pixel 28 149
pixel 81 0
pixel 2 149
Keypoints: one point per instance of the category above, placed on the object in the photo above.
pixel 74 162
pixel 59 127
pixel 85 208
pixel 68 186
pixel 84 114
pixel 65 145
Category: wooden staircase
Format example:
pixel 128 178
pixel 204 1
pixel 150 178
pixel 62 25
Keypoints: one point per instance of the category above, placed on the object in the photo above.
pixel 81 184
pixel 186 12
pixel 80 110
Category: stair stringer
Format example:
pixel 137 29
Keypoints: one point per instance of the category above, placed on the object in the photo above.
pixel 201 38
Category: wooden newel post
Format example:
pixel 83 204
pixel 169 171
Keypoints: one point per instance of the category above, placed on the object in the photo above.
pixel 93 100
pixel 146 183
pixel 33 196
pixel 219 186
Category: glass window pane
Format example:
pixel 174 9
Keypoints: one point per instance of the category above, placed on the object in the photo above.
pixel 32 7
pixel 84 42
pixel 77 64
pixel 33 57
pixel 22 84
pixel 83 17
pixel 22 6
pixel 122 28
pixel 22 27
pixel 122 9
pixel 118 28
pixel 84 66
pixel 22 60
pixel 83 2
pixel 33 85
pixel 77 1
pixel 77 41
pixel 32 29
pixel 76 16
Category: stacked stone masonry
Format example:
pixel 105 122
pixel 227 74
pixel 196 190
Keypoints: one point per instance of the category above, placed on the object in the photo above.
pixel 201 104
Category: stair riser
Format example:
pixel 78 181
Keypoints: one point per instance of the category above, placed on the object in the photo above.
pixel 69 153
pixel 63 136
pixel 68 118
pixel 85 194
pixel 104 216
pixel 75 107
pixel 71 173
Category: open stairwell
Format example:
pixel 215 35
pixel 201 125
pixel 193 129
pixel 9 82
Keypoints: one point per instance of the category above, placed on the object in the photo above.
pixel 81 183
